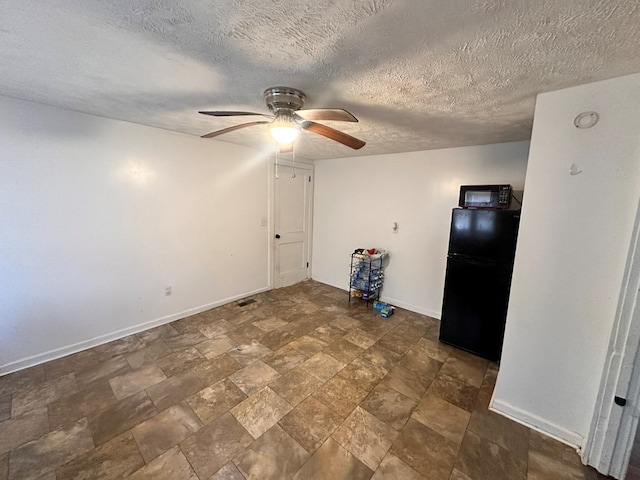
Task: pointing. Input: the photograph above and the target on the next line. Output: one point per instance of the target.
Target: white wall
(572, 248)
(357, 199)
(97, 216)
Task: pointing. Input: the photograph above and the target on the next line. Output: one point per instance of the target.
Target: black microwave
(485, 196)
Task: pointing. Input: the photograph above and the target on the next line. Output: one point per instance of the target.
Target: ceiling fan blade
(333, 134)
(231, 129)
(337, 114)
(225, 113)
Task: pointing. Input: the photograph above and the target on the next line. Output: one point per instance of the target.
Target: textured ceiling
(418, 74)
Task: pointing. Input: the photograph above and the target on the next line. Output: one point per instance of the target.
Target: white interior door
(615, 420)
(292, 225)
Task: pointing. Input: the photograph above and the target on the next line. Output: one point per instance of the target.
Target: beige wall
(358, 199)
(573, 244)
(99, 216)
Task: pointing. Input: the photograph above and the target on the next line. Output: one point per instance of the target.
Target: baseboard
(326, 281)
(534, 422)
(410, 307)
(392, 301)
(109, 337)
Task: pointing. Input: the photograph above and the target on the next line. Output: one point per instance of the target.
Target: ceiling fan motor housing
(283, 98)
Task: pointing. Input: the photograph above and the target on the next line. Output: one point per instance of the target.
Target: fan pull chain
(293, 158)
(277, 152)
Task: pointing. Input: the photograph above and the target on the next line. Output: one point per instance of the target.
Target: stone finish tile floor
(299, 384)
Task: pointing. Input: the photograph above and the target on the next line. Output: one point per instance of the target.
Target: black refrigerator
(482, 246)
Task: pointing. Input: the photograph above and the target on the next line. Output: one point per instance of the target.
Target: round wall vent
(586, 120)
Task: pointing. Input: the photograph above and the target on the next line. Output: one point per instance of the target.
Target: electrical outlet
(167, 291)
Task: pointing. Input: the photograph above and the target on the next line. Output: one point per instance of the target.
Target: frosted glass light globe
(284, 133)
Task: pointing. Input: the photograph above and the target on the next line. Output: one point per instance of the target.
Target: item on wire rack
(366, 274)
(369, 252)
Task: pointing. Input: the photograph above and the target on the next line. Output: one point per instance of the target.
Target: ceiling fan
(287, 119)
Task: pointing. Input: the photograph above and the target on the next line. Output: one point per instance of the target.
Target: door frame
(272, 214)
(613, 428)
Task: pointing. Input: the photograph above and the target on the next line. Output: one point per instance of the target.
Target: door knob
(277, 235)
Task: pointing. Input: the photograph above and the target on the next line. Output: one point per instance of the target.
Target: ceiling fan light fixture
(284, 132)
